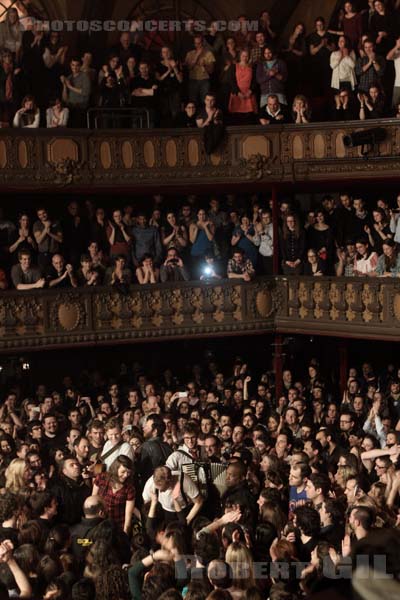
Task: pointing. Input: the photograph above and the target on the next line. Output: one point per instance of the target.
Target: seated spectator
(300, 110)
(273, 113)
(98, 258)
(389, 262)
(370, 67)
(87, 274)
(76, 93)
(187, 117)
(209, 269)
(271, 75)
(372, 104)
(173, 268)
(345, 106)
(240, 267)
(120, 274)
(24, 276)
(343, 63)
(242, 99)
(57, 114)
(395, 221)
(366, 260)
(28, 115)
(314, 265)
(60, 275)
(345, 265)
(146, 272)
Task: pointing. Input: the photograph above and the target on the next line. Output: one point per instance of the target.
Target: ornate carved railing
(53, 318)
(349, 307)
(127, 159)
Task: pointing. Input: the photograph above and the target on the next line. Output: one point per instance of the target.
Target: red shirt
(115, 500)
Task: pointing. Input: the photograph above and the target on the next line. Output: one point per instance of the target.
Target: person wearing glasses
(187, 452)
(314, 267)
(345, 106)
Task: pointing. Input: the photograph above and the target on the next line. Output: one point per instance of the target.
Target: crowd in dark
(343, 70)
(101, 495)
(205, 239)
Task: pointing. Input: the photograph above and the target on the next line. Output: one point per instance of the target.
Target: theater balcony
(346, 307)
(125, 160)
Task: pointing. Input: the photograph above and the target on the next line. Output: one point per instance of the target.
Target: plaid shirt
(240, 268)
(115, 501)
(371, 76)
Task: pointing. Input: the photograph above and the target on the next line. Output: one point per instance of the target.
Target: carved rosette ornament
(257, 166)
(67, 171)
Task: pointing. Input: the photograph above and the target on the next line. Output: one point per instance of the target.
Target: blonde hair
(240, 560)
(15, 480)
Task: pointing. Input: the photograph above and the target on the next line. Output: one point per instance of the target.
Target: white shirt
(125, 449)
(177, 459)
(165, 498)
(265, 241)
(343, 70)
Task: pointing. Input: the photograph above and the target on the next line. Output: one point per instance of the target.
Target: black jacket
(81, 536)
(154, 454)
(70, 497)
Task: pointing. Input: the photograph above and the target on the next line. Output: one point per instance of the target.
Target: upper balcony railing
(346, 307)
(127, 159)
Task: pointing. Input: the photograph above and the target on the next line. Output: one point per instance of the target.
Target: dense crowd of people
(205, 239)
(101, 492)
(346, 69)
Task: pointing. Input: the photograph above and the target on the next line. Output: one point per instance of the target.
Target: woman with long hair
(242, 101)
(295, 54)
(245, 237)
(380, 231)
(343, 64)
(389, 263)
(365, 260)
(117, 491)
(28, 116)
(11, 33)
(173, 234)
(240, 560)
(17, 477)
(320, 237)
(373, 104)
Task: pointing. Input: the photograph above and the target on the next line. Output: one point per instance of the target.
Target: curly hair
(112, 584)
